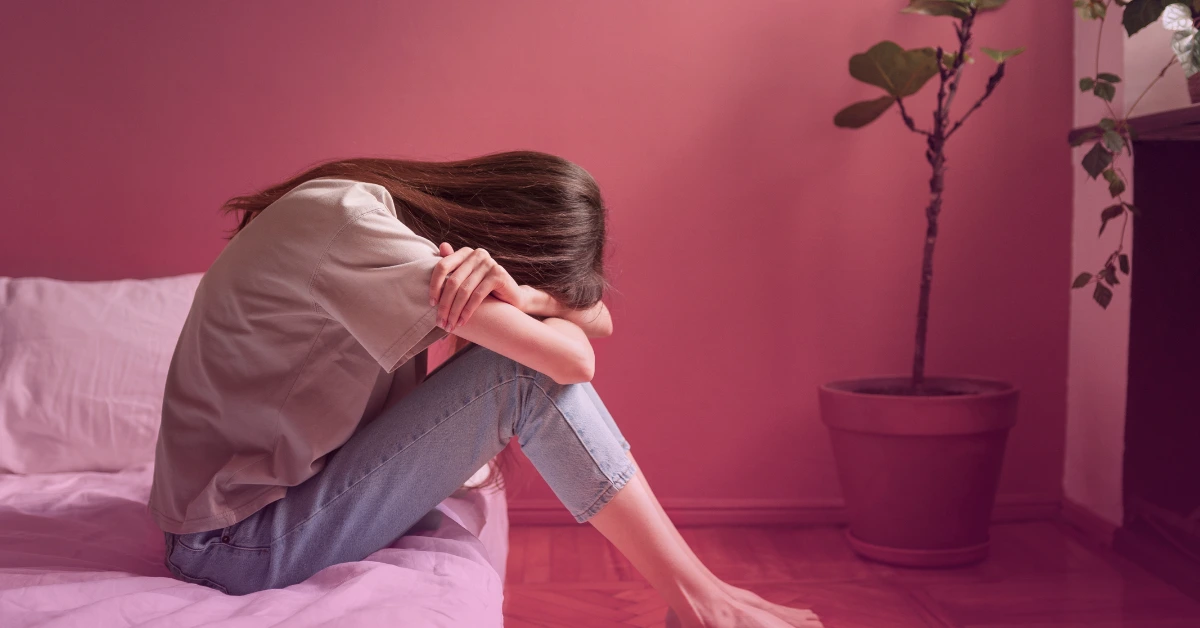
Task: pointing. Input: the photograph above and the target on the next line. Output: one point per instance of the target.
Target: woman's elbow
(581, 371)
(588, 370)
(601, 329)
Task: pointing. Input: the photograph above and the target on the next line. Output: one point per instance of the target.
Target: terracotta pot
(919, 474)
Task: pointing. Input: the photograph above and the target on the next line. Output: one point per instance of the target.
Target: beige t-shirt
(293, 341)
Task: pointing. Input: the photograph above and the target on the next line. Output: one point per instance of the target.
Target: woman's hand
(462, 278)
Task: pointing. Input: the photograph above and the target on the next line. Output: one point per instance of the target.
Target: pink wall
(757, 249)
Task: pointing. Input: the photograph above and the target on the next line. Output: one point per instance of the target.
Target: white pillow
(82, 370)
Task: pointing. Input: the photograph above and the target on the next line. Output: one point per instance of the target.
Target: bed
(81, 371)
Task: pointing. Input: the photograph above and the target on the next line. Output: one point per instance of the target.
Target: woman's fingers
(453, 285)
(462, 279)
(506, 288)
(489, 285)
(483, 265)
(442, 270)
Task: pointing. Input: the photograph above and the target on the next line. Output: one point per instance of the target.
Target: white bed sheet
(80, 549)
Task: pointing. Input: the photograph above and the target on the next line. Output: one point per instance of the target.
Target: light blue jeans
(407, 460)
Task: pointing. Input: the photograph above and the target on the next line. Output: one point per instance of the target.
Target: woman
(280, 451)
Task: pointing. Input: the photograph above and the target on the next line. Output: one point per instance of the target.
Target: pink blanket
(79, 549)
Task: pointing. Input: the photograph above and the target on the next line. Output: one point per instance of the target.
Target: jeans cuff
(609, 492)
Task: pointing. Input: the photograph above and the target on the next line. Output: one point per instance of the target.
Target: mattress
(80, 549)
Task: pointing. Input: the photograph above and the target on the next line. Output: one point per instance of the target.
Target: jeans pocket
(219, 564)
(190, 554)
(197, 541)
(241, 535)
(182, 577)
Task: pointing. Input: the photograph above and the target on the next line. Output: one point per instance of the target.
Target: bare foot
(742, 615)
(795, 617)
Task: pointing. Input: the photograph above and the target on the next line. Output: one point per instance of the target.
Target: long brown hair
(541, 217)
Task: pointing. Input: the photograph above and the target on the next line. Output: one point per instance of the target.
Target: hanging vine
(1113, 134)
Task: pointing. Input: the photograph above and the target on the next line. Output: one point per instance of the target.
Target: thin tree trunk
(936, 156)
(931, 232)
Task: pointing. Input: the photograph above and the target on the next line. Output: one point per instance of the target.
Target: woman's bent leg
(418, 451)
(793, 616)
(605, 415)
(408, 459)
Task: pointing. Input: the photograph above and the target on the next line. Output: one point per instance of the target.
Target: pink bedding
(79, 549)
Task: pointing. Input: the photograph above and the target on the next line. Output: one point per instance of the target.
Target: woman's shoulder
(341, 197)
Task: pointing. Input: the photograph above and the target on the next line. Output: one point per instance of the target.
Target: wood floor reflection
(1040, 575)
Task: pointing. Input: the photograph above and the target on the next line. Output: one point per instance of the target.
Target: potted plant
(1180, 18)
(919, 457)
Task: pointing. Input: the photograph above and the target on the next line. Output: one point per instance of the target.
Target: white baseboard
(1091, 525)
(701, 511)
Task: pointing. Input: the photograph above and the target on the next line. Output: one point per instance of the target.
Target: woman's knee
(607, 417)
(577, 395)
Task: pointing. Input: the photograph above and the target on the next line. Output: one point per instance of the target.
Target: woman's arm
(594, 321)
(554, 346)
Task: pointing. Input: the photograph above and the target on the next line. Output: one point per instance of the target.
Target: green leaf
(1137, 213)
(1110, 274)
(1083, 137)
(1124, 260)
(949, 57)
(900, 72)
(1141, 13)
(1183, 43)
(1082, 280)
(1102, 295)
(1086, 83)
(1108, 214)
(1105, 90)
(1192, 66)
(1116, 185)
(1113, 141)
(1111, 78)
(1097, 160)
(1108, 124)
(1091, 9)
(1178, 17)
(1000, 56)
(989, 5)
(953, 8)
(862, 113)
(1116, 188)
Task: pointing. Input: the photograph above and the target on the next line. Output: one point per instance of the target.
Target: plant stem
(1161, 74)
(991, 87)
(908, 121)
(1099, 42)
(936, 156)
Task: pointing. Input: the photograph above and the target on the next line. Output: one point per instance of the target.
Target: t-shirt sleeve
(374, 280)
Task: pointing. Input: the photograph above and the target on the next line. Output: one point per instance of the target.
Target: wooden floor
(1040, 575)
